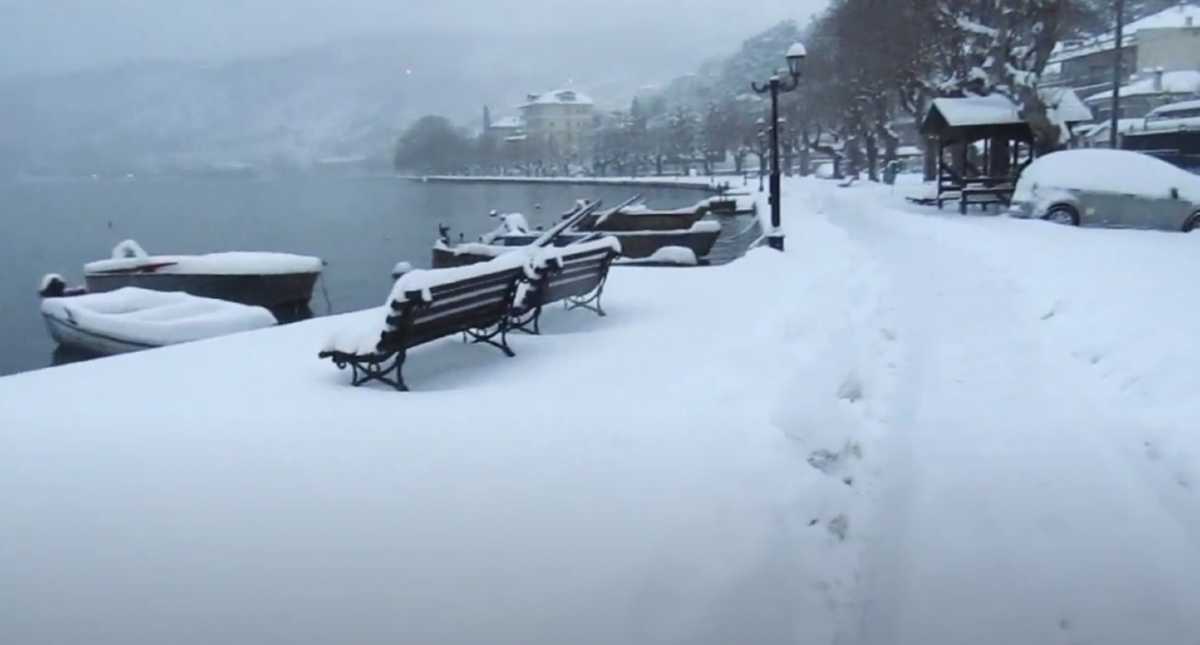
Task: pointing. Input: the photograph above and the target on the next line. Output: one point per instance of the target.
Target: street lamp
(775, 86)
(763, 144)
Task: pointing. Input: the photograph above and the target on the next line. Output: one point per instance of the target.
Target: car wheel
(1192, 223)
(1062, 214)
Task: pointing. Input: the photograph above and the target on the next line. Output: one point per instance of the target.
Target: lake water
(360, 226)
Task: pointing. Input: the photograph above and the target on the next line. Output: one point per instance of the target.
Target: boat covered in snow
(635, 245)
(272, 280)
(131, 319)
(580, 225)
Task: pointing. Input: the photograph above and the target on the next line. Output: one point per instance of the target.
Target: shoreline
(690, 183)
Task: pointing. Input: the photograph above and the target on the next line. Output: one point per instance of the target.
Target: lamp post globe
(795, 58)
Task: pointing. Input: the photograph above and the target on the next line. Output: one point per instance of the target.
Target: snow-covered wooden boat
(273, 280)
(638, 217)
(132, 319)
(637, 245)
(732, 204)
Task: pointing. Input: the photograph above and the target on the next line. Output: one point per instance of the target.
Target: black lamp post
(776, 86)
(762, 150)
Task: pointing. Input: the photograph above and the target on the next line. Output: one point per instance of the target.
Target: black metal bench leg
(531, 324)
(590, 302)
(381, 371)
(489, 335)
(504, 341)
(364, 369)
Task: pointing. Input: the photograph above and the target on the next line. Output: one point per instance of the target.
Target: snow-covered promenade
(912, 427)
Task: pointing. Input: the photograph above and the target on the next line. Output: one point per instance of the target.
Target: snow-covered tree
(683, 136)
(1005, 48)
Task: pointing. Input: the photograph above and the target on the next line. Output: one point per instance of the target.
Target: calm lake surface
(361, 226)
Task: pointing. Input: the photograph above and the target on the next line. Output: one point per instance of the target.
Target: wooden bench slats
(496, 296)
(569, 277)
(460, 323)
(579, 259)
(481, 307)
(453, 289)
(450, 290)
(574, 287)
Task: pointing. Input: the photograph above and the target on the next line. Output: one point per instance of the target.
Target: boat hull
(643, 221)
(271, 291)
(66, 334)
(634, 246)
(446, 258)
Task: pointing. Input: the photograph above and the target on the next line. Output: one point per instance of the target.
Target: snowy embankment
(912, 427)
(637, 478)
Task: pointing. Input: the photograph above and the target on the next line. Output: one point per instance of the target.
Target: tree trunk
(1047, 135)
(804, 153)
(930, 158)
(872, 158)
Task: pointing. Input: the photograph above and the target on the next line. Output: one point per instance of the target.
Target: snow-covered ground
(912, 427)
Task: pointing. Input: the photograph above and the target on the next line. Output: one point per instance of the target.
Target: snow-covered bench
(574, 274)
(426, 305)
(984, 194)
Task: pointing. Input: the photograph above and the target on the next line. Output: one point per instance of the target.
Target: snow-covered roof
(997, 109)
(1178, 16)
(560, 97)
(1180, 82)
(1099, 131)
(508, 122)
(1174, 107)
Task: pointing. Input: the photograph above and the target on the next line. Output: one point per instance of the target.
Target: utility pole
(1113, 136)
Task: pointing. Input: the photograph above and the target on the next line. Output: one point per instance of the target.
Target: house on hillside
(560, 124)
(503, 128)
(1168, 40)
(1148, 91)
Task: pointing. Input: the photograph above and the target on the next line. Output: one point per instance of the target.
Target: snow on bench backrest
(574, 270)
(418, 285)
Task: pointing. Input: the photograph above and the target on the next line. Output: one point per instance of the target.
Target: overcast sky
(39, 36)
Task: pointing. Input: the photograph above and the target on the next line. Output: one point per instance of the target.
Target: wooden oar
(545, 239)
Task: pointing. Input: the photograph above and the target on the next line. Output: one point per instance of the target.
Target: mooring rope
(325, 293)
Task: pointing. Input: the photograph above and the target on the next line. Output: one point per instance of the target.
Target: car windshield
(599, 322)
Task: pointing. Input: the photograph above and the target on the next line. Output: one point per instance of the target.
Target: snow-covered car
(1114, 188)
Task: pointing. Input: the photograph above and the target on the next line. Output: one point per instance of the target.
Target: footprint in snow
(1152, 452)
(824, 460)
(839, 527)
(851, 389)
